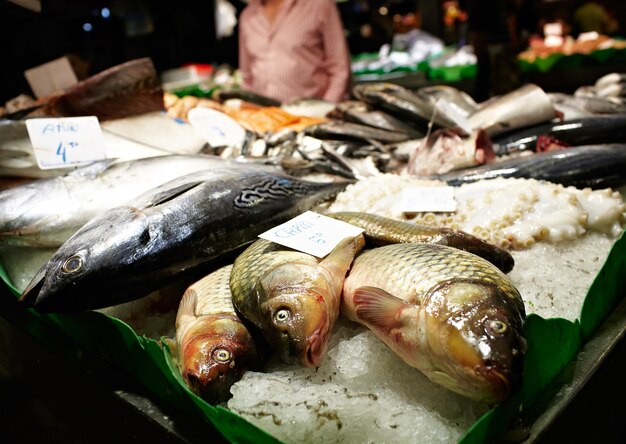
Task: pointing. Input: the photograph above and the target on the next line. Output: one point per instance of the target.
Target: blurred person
(292, 49)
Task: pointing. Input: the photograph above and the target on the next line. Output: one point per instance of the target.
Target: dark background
(183, 31)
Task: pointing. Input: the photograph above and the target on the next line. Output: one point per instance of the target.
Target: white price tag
(311, 233)
(427, 199)
(216, 128)
(66, 141)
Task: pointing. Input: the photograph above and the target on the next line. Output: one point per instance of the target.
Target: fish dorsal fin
(378, 308)
(165, 193)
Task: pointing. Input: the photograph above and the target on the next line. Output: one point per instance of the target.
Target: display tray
(123, 382)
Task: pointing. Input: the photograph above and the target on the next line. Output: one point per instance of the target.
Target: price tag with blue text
(311, 233)
(66, 141)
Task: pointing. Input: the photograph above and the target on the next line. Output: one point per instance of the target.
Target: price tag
(427, 199)
(216, 128)
(67, 141)
(311, 233)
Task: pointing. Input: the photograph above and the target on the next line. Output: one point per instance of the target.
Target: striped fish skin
(448, 313)
(381, 230)
(293, 298)
(213, 346)
(131, 250)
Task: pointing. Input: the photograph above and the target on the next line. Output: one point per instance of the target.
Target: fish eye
(72, 264)
(498, 327)
(282, 315)
(221, 355)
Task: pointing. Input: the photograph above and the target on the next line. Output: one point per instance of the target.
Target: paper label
(427, 199)
(311, 233)
(216, 128)
(67, 141)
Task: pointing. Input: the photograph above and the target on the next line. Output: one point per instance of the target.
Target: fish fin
(170, 344)
(378, 308)
(187, 305)
(166, 193)
(338, 261)
(30, 293)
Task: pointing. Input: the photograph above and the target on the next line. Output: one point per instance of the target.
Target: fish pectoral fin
(378, 308)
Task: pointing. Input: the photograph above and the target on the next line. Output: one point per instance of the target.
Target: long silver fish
(448, 313)
(595, 166)
(293, 298)
(213, 347)
(402, 103)
(525, 106)
(575, 132)
(133, 249)
(47, 212)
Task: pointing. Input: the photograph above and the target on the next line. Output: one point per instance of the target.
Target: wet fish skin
(575, 132)
(402, 103)
(381, 230)
(213, 346)
(522, 107)
(594, 166)
(448, 313)
(336, 129)
(131, 250)
(293, 298)
(45, 213)
(359, 112)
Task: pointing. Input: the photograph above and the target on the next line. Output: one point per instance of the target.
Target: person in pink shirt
(292, 49)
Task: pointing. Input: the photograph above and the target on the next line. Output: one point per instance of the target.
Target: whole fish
(340, 130)
(402, 103)
(522, 107)
(359, 112)
(45, 213)
(595, 166)
(574, 107)
(381, 230)
(133, 249)
(293, 298)
(575, 132)
(213, 347)
(461, 102)
(127, 89)
(448, 313)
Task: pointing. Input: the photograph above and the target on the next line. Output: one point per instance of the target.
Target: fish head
(478, 342)
(217, 358)
(295, 315)
(87, 271)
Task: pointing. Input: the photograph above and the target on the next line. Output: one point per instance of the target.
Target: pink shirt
(302, 54)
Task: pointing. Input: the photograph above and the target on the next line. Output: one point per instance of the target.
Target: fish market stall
(246, 340)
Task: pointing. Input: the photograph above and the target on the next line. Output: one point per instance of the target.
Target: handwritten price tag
(311, 233)
(427, 199)
(67, 141)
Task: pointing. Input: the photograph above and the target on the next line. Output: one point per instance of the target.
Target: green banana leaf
(552, 343)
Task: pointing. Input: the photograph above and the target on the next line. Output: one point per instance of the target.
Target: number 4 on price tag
(67, 141)
(311, 233)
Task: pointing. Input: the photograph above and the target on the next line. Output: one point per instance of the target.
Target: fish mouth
(499, 384)
(30, 295)
(313, 352)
